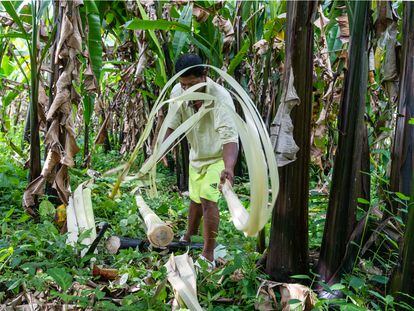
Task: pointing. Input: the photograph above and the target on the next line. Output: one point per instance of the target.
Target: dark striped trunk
(288, 247)
(402, 177)
(341, 214)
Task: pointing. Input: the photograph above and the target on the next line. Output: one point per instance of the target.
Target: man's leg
(195, 213)
(210, 229)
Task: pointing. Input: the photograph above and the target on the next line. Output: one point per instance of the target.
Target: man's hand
(230, 151)
(226, 174)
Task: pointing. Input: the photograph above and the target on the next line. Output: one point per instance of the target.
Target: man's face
(187, 82)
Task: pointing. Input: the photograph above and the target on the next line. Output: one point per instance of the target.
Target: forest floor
(37, 266)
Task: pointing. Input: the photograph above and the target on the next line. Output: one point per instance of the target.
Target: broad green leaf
(239, 57)
(411, 121)
(94, 38)
(356, 282)
(159, 24)
(193, 39)
(180, 37)
(61, 277)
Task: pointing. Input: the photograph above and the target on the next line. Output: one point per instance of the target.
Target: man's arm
(230, 153)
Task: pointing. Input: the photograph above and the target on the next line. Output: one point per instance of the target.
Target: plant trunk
(288, 247)
(402, 150)
(341, 218)
(35, 166)
(54, 75)
(403, 153)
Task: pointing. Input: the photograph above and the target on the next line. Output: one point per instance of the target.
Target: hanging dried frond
(61, 153)
(225, 27)
(343, 27)
(281, 129)
(261, 47)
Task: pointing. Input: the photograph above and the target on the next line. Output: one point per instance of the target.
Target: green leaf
(239, 57)
(160, 53)
(356, 282)
(402, 196)
(6, 253)
(363, 201)
(88, 101)
(159, 24)
(201, 46)
(337, 286)
(43, 5)
(13, 14)
(46, 209)
(15, 35)
(389, 299)
(61, 277)
(411, 121)
(380, 279)
(301, 277)
(376, 294)
(180, 37)
(94, 38)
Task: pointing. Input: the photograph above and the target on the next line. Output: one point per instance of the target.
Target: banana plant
(37, 8)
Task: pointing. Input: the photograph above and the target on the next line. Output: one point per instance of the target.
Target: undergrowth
(34, 257)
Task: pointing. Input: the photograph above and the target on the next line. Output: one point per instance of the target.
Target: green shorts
(205, 184)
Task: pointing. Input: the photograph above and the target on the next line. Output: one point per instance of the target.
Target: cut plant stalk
(80, 218)
(158, 233)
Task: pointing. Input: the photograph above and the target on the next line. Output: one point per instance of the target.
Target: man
(213, 150)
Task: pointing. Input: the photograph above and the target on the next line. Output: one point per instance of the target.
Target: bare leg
(194, 218)
(211, 224)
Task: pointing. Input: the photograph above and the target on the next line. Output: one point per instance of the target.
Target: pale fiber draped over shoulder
(213, 131)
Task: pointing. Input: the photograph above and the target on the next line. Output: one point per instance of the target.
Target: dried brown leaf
(343, 28)
(261, 47)
(200, 14)
(65, 33)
